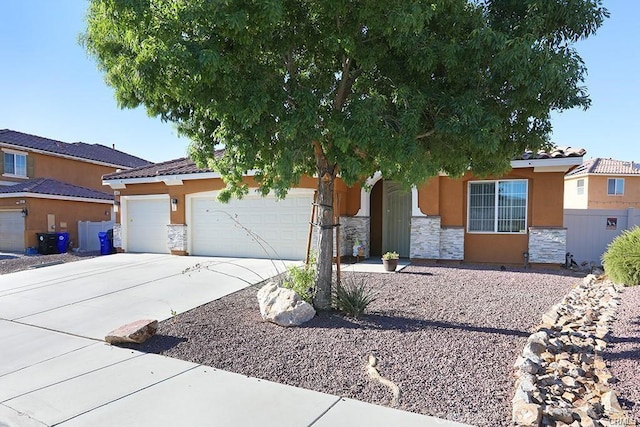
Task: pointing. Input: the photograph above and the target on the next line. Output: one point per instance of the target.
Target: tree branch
(426, 134)
(342, 86)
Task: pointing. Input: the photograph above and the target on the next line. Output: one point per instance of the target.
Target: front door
(396, 219)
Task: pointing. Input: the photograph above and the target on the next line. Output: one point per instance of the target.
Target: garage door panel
(218, 229)
(11, 231)
(147, 221)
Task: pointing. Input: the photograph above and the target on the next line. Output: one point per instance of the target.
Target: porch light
(24, 212)
(174, 205)
(116, 205)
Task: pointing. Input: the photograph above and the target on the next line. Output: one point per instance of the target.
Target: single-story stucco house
(171, 207)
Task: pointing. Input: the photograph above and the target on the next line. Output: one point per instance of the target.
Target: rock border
(561, 377)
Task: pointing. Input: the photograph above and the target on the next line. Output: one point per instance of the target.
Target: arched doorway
(390, 219)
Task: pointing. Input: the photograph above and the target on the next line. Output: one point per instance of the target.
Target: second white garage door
(11, 231)
(147, 221)
(216, 229)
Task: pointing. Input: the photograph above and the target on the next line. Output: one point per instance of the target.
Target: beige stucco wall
(599, 199)
(573, 200)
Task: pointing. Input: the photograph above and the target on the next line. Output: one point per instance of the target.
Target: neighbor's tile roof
(80, 150)
(55, 188)
(602, 166)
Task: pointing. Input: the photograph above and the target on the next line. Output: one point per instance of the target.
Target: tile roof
(555, 153)
(180, 166)
(185, 165)
(95, 152)
(55, 188)
(602, 166)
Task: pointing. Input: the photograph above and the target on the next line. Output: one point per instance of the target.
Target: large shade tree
(333, 88)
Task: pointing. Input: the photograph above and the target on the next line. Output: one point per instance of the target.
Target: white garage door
(11, 231)
(282, 227)
(147, 221)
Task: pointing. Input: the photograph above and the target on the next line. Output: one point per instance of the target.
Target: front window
(580, 187)
(498, 206)
(615, 186)
(15, 164)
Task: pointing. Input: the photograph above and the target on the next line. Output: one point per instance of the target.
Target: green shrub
(352, 298)
(621, 261)
(301, 280)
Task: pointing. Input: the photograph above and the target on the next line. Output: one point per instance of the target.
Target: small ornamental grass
(301, 280)
(621, 261)
(353, 297)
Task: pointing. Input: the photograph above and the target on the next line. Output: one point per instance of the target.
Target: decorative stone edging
(561, 377)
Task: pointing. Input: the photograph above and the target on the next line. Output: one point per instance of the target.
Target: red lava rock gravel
(447, 336)
(623, 355)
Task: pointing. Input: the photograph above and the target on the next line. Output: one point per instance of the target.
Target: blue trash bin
(62, 242)
(105, 243)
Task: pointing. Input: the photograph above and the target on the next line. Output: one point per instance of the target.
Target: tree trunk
(324, 248)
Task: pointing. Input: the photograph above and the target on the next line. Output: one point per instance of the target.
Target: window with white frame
(615, 186)
(497, 206)
(580, 187)
(15, 164)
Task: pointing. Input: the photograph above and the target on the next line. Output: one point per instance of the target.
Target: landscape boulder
(134, 332)
(283, 306)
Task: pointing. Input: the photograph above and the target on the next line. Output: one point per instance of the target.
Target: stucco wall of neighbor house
(67, 170)
(547, 245)
(599, 199)
(67, 214)
(573, 200)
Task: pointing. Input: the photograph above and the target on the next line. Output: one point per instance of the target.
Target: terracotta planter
(390, 264)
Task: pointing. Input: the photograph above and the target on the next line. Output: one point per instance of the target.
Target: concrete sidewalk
(56, 370)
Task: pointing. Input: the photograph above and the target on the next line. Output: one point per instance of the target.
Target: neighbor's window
(580, 187)
(615, 186)
(15, 164)
(498, 206)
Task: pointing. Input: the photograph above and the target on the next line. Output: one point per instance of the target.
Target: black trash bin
(47, 243)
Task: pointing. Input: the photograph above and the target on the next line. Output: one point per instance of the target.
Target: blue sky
(49, 87)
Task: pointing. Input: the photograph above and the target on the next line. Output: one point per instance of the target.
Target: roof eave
(559, 164)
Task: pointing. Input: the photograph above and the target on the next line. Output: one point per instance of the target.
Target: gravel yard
(446, 336)
(10, 263)
(623, 355)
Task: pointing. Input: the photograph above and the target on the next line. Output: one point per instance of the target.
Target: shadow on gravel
(398, 323)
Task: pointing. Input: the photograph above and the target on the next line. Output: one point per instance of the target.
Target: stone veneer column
(177, 237)
(354, 228)
(452, 243)
(425, 237)
(117, 235)
(547, 245)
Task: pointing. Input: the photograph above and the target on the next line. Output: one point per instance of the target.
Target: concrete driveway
(56, 370)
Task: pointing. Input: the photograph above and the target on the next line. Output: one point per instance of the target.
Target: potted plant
(390, 261)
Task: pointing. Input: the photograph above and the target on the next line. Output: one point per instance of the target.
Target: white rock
(283, 306)
(526, 414)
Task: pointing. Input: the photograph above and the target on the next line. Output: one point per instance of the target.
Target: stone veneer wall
(425, 237)
(354, 228)
(117, 235)
(452, 243)
(177, 237)
(547, 245)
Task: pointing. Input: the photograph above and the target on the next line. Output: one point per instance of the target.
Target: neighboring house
(603, 184)
(171, 207)
(48, 186)
(601, 200)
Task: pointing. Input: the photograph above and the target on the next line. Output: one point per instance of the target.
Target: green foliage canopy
(408, 88)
